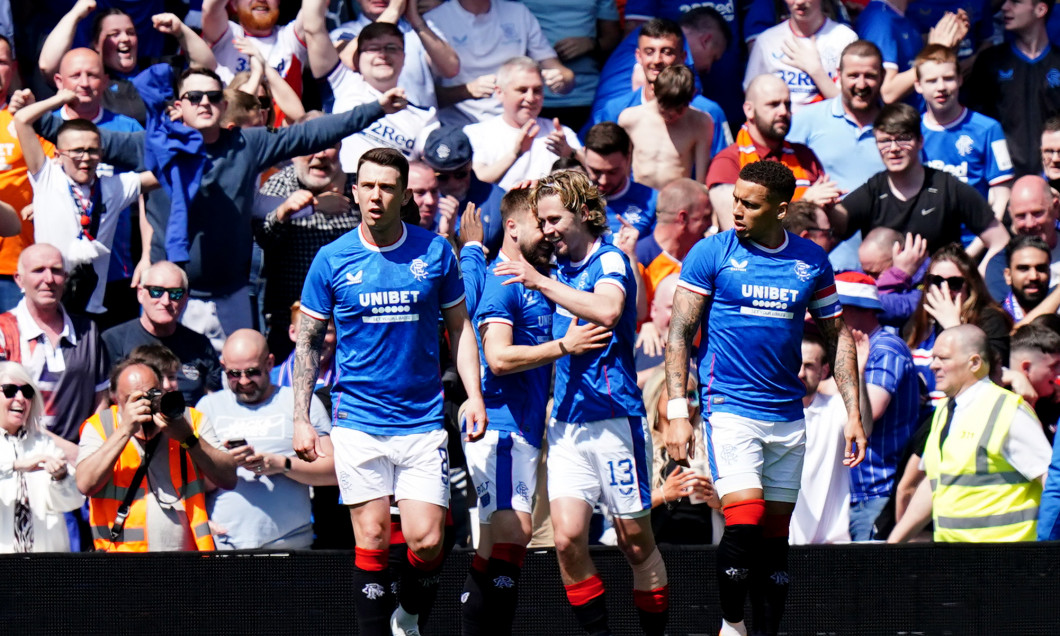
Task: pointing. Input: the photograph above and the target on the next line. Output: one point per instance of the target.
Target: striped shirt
(890, 367)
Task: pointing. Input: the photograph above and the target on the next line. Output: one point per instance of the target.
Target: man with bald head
(163, 295)
(898, 265)
(762, 137)
(968, 499)
(683, 215)
(1035, 210)
(63, 353)
(81, 71)
(269, 508)
(168, 511)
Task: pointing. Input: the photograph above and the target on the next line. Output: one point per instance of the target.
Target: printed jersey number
(625, 467)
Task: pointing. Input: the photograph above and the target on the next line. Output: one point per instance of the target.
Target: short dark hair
(704, 18)
(97, 22)
(861, 48)
(158, 356)
(1022, 241)
(120, 368)
(775, 176)
(811, 337)
(608, 137)
(198, 70)
(76, 125)
(389, 158)
(377, 30)
(1035, 337)
(1052, 124)
(675, 86)
(567, 163)
(515, 202)
(662, 28)
(898, 119)
(801, 216)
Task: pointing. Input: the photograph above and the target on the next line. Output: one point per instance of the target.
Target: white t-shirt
(483, 43)
(282, 50)
(767, 54)
(57, 218)
(405, 130)
(493, 138)
(822, 513)
(416, 77)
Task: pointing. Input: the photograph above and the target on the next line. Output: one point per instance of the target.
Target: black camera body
(169, 404)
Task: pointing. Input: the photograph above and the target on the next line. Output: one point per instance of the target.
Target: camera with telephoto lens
(169, 404)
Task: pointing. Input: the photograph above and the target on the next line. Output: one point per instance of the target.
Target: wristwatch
(286, 465)
(190, 442)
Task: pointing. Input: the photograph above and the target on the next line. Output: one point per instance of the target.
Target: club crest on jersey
(738, 266)
(419, 269)
(964, 145)
(803, 270)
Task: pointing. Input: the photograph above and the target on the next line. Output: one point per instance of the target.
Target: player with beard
(599, 445)
(517, 355)
(283, 47)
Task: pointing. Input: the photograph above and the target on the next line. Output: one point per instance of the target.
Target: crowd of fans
(167, 179)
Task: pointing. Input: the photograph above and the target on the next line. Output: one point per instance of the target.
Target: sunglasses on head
(175, 293)
(955, 282)
(195, 97)
(235, 374)
(11, 389)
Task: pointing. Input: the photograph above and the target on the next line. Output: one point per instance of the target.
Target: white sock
(732, 629)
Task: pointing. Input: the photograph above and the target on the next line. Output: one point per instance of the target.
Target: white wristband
(677, 408)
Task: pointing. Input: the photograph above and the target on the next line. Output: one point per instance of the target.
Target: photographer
(165, 510)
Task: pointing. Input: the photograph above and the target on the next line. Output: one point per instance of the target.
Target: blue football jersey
(601, 384)
(971, 148)
(757, 301)
(516, 402)
(387, 303)
(635, 204)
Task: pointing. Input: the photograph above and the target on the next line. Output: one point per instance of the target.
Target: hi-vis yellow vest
(978, 496)
(187, 481)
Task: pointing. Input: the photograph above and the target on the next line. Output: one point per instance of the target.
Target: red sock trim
(511, 552)
(584, 591)
(655, 601)
(479, 564)
(425, 566)
(775, 526)
(748, 512)
(370, 560)
(396, 536)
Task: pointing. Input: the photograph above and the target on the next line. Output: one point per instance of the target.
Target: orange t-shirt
(15, 190)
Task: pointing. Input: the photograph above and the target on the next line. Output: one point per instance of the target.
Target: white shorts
(503, 467)
(406, 466)
(606, 460)
(747, 453)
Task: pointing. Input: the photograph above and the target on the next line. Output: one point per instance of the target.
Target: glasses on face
(955, 282)
(455, 175)
(389, 49)
(1050, 152)
(175, 293)
(195, 97)
(235, 374)
(83, 153)
(11, 389)
(827, 231)
(904, 141)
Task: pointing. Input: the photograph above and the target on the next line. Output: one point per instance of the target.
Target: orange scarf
(746, 147)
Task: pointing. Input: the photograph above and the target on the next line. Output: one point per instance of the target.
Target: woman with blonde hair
(36, 484)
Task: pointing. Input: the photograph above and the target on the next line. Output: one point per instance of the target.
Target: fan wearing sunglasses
(163, 295)
(39, 477)
(955, 294)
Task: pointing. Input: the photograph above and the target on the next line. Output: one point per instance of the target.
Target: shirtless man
(670, 140)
